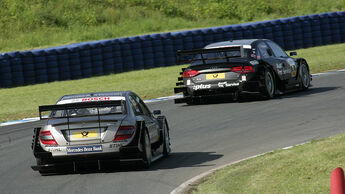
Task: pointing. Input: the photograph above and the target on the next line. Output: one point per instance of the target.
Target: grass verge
(21, 102)
(302, 169)
(42, 23)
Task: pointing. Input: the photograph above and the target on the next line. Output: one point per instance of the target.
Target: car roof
(232, 42)
(95, 94)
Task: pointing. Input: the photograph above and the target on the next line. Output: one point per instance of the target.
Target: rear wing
(95, 104)
(188, 56)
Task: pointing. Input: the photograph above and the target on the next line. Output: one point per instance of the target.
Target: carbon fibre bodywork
(233, 67)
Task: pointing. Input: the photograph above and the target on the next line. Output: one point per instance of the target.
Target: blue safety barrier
(95, 58)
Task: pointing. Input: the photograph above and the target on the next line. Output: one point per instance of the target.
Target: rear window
(218, 57)
(90, 111)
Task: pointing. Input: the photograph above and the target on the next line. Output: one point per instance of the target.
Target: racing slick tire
(304, 76)
(147, 154)
(166, 142)
(269, 88)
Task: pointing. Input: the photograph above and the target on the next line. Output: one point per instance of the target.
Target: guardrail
(94, 58)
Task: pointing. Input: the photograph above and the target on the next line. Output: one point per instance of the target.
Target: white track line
(27, 120)
(146, 101)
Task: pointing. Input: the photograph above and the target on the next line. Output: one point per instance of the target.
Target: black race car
(233, 67)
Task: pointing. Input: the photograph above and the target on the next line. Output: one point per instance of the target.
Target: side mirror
(293, 53)
(157, 112)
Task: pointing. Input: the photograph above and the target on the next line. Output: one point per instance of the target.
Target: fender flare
(277, 79)
(299, 61)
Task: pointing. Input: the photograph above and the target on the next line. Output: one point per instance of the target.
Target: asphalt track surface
(203, 137)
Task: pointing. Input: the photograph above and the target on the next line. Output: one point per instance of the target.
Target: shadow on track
(253, 97)
(185, 159)
(173, 161)
(307, 92)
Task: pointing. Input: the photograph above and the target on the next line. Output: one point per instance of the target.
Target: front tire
(269, 88)
(166, 143)
(304, 76)
(147, 154)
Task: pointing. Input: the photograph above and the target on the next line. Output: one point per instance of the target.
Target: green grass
(303, 169)
(27, 24)
(21, 102)
(324, 58)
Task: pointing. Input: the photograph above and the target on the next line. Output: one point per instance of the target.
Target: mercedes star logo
(84, 133)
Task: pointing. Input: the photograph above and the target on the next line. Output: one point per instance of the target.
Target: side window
(135, 106)
(263, 49)
(278, 52)
(144, 108)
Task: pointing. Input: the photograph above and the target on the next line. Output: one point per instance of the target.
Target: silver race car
(99, 128)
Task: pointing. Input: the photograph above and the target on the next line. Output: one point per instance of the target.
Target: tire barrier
(96, 58)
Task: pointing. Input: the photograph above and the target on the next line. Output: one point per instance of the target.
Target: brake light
(190, 74)
(47, 138)
(124, 132)
(245, 69)
(237, 69)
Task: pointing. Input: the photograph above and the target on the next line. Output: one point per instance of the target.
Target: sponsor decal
(84, 149)
(115, 145)
(226, 84)
(201, 86)
(293, 67)
(90, 99)
(85, 134)
(254, 62)
(215, 76)
(54, 149)
(188, 82)
(95, 99)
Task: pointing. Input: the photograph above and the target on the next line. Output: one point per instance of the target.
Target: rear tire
(304, 76)
(147, 154)
(270, 86)
(166, 142)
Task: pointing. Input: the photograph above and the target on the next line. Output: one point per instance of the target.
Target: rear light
(245, 69)
(47, 138)
(190, 74)
(124, 132)
(248, 69)
(237, 69)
